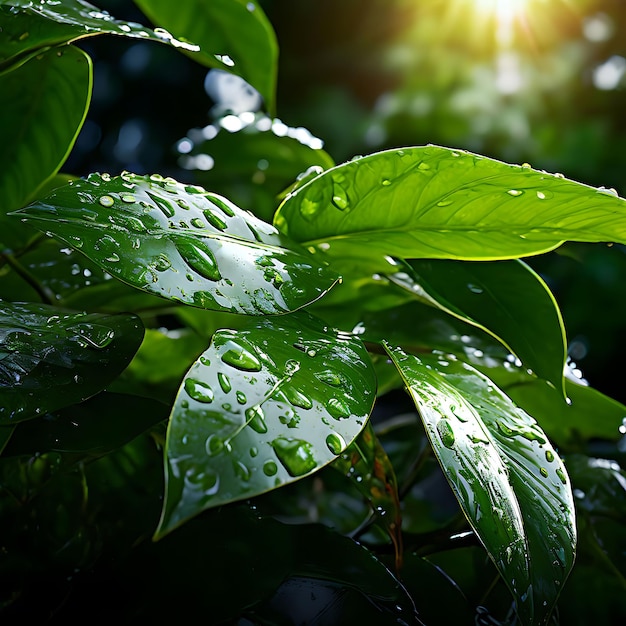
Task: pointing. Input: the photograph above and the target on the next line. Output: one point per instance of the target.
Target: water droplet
(330, 377)
(241, 397)
(208, 482)
(526, 166)
(335, 443)
(242, 471)
(213, 445)
(94, 335)
(214, 220)
(561, 474)
(443, 203)
(240, 357)
(198, 390)
(295, 455)
(446, 434)
(224, 382)
(270, 468)
(544, 472)
(297, 398)
(254, 451)
(385, 182)
(112, 258)
(340, 197)
(515, 192)
(161, 263)
(199, 258)
(532, 436)
(475, 288)
(338, 409)
(196, 222)
(106, 201)
(128, 198)
(255, 418)
(549, 456)
(166, 207)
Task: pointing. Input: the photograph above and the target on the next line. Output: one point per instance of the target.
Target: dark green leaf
(505, 299)
(232, 33)
(51, 357)
(29, 28)
(5, 436)
(433, 202)
(263, 407)
(40, 122)
(507, 477)
(182, 243)
(97, 426)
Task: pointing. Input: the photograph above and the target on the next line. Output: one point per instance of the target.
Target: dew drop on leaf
(335, 443)
(297, 398)
(543, 471)
(242, 471)
(213, 445)
(340, 197)
(446, 434)
(295, 455)
(241, 397)
(161, 263)
(106, 201)
(198, 390)
(561, 474)
(255, 418)
(549, 456)
(337, 408)
(207, 482)
(270, 468)
(241, 358)
(214, 220)
(199, 258)
(224, 382)
(196, 222)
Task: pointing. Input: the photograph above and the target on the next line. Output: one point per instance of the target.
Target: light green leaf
(49, 98)
(51, 357)
(433, 202)
(261, 408)
(507, 477)
(182, 243)
(506, 299)
(235, 33)
(30, 28)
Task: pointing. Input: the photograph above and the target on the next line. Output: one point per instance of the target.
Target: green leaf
(231, 33)
(51, 357)
(261, 408)
(182, 243)
(507, 477)
(29, 28)
(40, 121)
(433, 202)
(506, 299)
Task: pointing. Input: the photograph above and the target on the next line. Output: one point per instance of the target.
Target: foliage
(207, 409)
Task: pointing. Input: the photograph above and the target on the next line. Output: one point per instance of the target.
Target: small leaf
(508, 479)
(40, 122)
(261, 408)
(182, 243)
(433, 202)
(51, 358)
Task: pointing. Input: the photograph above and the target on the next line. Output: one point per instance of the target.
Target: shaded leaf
(39, 124)
(434, 202)
(263, 407)
(231, 33)
(51, 357)
(29, 28)
(182, 243)
(505, 474)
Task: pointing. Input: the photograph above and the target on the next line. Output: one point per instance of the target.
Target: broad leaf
(29, 28)
(235, 33)
(505, 299)
(40, 121)
(263, 407)
(433, 202)
(182, 243)
(507, 477)
(51, 358)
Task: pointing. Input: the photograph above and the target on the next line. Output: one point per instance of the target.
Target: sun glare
(505, 12)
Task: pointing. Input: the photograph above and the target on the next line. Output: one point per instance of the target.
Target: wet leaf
(261, 408)
(434, 202)
(182, 243)
(507, 477)
(51, 358)
(29, 28)
(38, 127)
(232, 34)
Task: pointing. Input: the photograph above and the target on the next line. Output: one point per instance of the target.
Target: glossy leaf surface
(507, 477)
(182, 243)
(29, 28)
(260, 408)
(434, 202)
(51, 358)
(506, 299)
(231, 33)
(38, 127)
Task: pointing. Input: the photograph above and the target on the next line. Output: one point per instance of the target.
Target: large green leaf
(29, 28)
(507, 477)
(433, 202)
(40, 121)
(263, 407)
(182, 243)
(51, 357)
(506, 299)
(236, 30)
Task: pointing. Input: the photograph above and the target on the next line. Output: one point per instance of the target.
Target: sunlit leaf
(182, 243)
(433, 202)
(231, 33)
(38, 126)
(29, 28)
(263, 407)
(51, 357)
(507, 477)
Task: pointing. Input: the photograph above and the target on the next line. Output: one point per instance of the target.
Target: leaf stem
(45, 294)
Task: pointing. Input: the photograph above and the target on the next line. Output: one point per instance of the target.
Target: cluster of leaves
(165, 352)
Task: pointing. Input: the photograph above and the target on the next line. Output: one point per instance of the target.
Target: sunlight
(505, 12)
